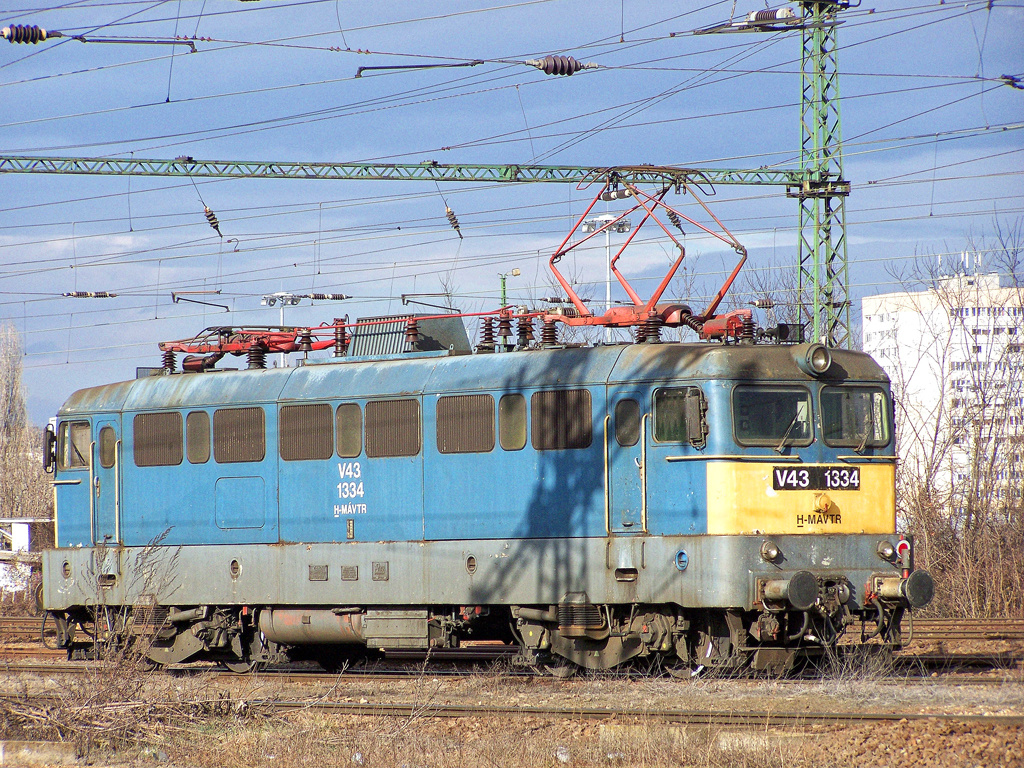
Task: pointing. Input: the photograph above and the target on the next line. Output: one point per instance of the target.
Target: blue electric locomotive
(718, 504)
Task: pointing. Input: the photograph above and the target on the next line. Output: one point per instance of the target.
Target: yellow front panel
(741, 499)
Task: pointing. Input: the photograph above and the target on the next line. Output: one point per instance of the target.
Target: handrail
(734, 457)
(92, 493)
(607, 480)
(643, 472)
(117, 491)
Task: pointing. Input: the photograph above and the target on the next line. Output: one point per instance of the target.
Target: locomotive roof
(415, 374)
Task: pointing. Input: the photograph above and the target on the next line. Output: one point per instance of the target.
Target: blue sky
(931, 134)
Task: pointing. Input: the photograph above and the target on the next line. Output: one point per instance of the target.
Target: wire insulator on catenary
(89, 295)
(453, 220)
(560, 65)
(20, 33)
(329, 296)
(212, 218)
(676, 221)
(779, 14)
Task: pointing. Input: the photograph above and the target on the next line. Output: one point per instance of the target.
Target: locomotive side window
(679, 416)
(392, 428)
(627, 423)
(775, 416)
(239, 434)
(158, 439)
(197, 437)
(306, 432)
(561, 419)
(465, 424)
(350, 430)
(73, 445)
(856, 417)
(512, 422)
(108, 447)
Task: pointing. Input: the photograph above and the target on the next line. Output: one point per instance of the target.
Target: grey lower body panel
(720, 571)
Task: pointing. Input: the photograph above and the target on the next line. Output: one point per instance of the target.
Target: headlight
(885, 550)
(812, 359)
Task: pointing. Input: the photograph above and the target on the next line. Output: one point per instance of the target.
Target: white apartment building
(955, 354)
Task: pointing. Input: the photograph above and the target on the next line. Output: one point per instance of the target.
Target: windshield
(775, 416)
(855, 417)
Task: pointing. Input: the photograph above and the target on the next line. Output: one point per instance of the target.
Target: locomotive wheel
(562, 670)
(242, 667)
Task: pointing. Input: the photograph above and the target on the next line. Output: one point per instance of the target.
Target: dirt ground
(237, 732)
(230, 728)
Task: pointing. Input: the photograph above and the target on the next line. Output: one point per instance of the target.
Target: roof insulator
(19, 33)
(452, 220)
(676, 221)
(560, 65)
(212, 218)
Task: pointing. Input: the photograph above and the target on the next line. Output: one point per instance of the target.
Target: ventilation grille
(465, 424)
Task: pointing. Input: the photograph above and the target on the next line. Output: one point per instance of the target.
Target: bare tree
(953, 345)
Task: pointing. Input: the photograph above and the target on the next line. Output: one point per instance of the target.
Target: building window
(157, 439)
(349, 423)
(465, 424)
(306, 432)
(392, 428)
(561, 419)
(197, 437)
(239, 435)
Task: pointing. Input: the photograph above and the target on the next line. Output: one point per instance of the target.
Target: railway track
(966, 629)
(741, 718)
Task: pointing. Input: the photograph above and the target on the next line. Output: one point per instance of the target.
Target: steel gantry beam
(426, 171)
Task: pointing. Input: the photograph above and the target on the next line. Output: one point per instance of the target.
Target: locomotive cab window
(772, 416)
(73, 445)
(561, 419)
(680, 416)
(465, 424)
(306, 432)
(512, 422)
(157, 439)
(239, 435)
(392, 428)
(855, 417)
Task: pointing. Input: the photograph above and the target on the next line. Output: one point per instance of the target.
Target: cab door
(106, 480)
(625, 454)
